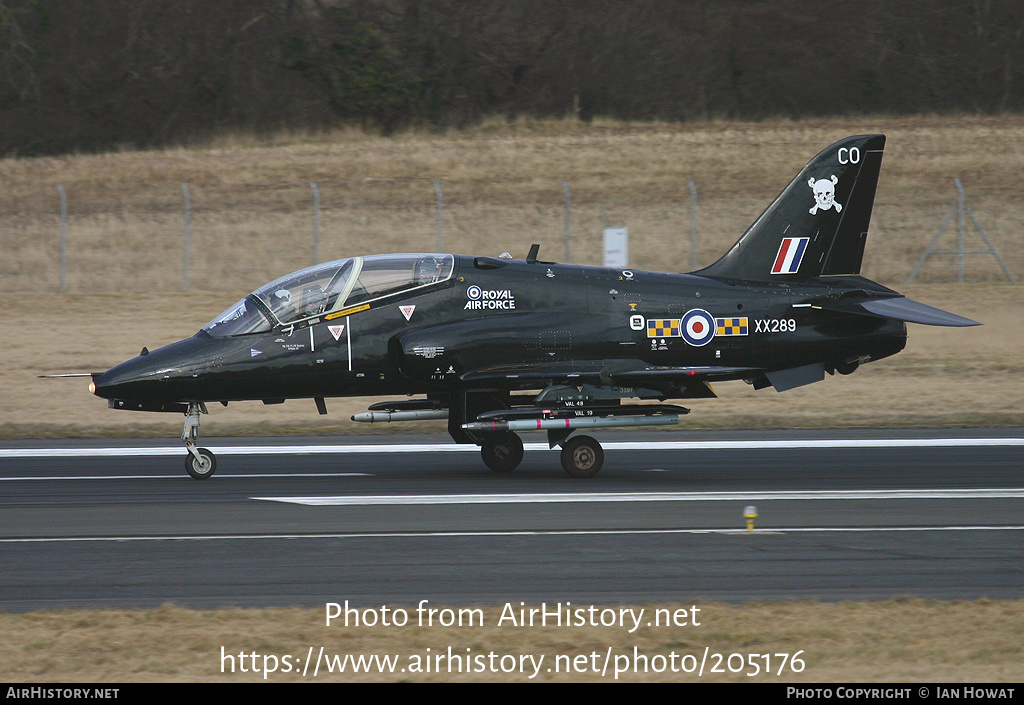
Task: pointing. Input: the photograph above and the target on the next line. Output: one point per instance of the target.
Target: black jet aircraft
(500, 345)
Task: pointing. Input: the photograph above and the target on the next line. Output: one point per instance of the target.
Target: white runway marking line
(588, 497)
(163, 451)
(179, 476)
(523, 533)
(158, 451)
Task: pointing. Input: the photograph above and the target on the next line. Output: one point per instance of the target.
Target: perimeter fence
(234, 238)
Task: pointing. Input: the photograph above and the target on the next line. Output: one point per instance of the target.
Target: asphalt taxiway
(866, 514)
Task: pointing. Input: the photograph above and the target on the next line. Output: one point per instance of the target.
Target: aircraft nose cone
(163, 375)
(120, 381)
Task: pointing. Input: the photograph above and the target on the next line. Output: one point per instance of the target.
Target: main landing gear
(504, 453)
(200, 463)
(492, 420)
(582, 456)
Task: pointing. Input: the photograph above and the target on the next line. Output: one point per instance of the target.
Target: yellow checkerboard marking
(731, 326)
(663, 328)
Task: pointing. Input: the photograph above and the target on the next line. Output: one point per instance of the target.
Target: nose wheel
(200, 463)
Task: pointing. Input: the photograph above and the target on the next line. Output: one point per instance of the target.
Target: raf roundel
(698, 327)
(473, 292)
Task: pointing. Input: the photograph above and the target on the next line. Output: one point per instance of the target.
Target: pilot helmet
(283, 297)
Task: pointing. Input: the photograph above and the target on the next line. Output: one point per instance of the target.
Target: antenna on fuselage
(534, 251)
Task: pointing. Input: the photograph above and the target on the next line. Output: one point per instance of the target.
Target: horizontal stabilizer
(904, 309)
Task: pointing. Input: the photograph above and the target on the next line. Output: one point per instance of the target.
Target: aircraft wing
(705, 374)
(619, 373)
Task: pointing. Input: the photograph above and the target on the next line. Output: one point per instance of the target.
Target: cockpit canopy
(329, 287)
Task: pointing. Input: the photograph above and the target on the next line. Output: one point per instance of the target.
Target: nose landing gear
(200, 463)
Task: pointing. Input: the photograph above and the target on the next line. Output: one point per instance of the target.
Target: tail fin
(817, 225)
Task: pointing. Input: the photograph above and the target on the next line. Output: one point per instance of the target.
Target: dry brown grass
(897, 641)
(502, 187)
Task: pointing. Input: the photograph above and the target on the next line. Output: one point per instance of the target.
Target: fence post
(63, 239)
(693, 226)
(959, 230)
(188, 236)
(440, 216)
(316, 222)
(568, 206)
(962, 211)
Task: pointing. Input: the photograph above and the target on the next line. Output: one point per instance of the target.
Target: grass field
(900, 640)
(252, 221)
(252, 204)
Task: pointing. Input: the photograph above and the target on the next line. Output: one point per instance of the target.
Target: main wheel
(582, 457)
(201, 469)
(503, 454)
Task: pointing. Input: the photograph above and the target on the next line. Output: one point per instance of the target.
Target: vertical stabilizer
(818, 225)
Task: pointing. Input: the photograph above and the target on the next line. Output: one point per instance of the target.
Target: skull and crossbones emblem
(824, 194)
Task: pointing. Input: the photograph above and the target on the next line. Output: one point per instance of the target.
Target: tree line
(97, 74)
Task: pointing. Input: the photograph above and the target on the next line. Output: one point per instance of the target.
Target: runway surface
(396, 519)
